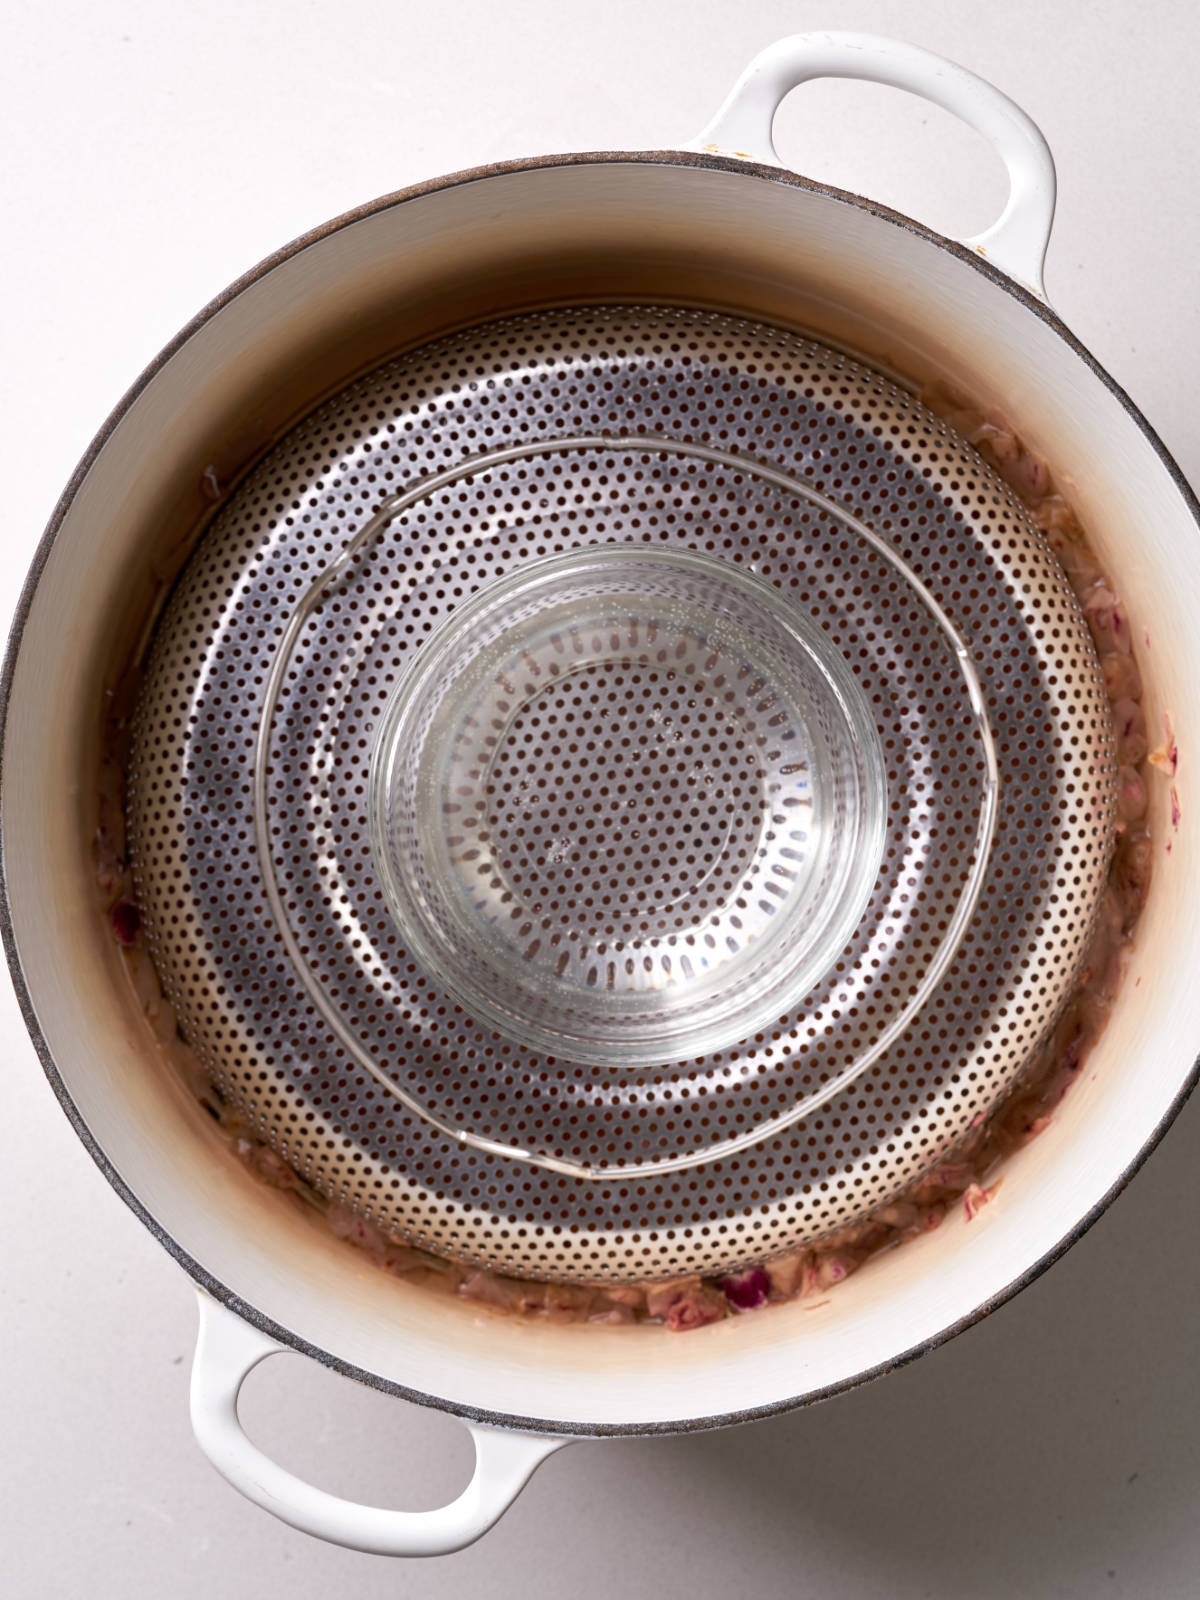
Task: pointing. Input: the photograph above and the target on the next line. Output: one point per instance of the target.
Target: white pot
(721, 222)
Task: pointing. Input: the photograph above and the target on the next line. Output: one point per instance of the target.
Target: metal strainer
(562, 791)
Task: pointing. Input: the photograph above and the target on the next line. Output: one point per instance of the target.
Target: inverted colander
(619, 791)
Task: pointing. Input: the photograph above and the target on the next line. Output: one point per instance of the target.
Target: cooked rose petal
(155, 1006)
(126, 921)
(347, 1224)
(1131, 866)
(786, 1273)
(660, 1297)
(626, 1295)
(1106, 618)
(695, 1309)
(569, 1302)
(267, 1165)
(1166, 756)
(508, 1294)
(1131, 795)
(976, 1197)
(1129, 725)
(995, 440)
(1079, 564)
(1122, 680)
(746, 1291)
(1054, 516)
(900, 1214)
(832, 1269)
(613, 1314)
(1025, 473)
(401, 1260)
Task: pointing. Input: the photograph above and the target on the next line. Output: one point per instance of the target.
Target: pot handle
(228, 1349)
(1016, 243)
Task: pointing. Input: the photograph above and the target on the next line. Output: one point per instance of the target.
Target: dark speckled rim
(193, 1268)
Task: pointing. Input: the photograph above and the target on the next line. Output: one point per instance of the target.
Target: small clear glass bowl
(627, 805)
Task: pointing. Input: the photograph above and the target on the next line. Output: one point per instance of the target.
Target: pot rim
(198, 1273)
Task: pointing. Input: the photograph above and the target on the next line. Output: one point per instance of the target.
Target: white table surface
(152, 151)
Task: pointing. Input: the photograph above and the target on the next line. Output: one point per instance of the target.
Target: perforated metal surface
(695, 376)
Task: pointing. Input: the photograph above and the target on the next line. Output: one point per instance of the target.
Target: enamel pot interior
(675, 228)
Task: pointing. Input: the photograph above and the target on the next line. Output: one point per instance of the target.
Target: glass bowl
(627, 804)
